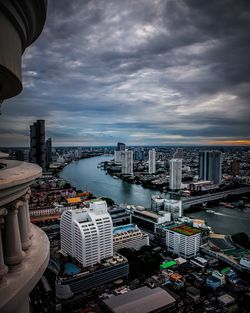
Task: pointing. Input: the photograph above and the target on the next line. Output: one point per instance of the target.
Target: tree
(109, 201)
(241, 239)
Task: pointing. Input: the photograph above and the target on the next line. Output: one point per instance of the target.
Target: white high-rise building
(117, 156)
(151, 162)
(174, 207)
(175, 167)
(127, 161)
(87, 234)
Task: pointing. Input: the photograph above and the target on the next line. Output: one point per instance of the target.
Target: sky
(144, 72)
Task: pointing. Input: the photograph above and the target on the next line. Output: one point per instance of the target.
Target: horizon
(147, 73)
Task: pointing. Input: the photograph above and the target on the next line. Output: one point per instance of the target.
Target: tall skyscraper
(37, 144)
(151, 161)
(48, 152)
(210, 166)
(175, 166)
(87, 234)
(127, 161)
(179, 154)
(119, 148)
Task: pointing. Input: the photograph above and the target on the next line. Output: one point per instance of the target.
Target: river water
(85, 175)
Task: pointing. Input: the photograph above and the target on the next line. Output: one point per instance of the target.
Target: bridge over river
(187, 202)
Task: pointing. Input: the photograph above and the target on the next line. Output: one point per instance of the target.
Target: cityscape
(147, 211)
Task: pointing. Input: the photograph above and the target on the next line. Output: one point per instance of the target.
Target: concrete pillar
(23, 225)
(27, 213)
(13, 253)
(3, 267)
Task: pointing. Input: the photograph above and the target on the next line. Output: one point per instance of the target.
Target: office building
(127, 161)
(118, 152)
(37, 144)
(48, 152)
(182, 240)
(24, 248)
(120, 146)
(152, 161)
(157, 203)
(202, 185)
(148, 220)
(179, 154)
(175, 174)
(19, 155)
(118, 156)
(87, 234)
(174, 207)
(210, 166)
(120, 215)
(235, 167)
(129, 236)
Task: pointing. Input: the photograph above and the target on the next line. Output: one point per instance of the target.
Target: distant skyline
(141, 72)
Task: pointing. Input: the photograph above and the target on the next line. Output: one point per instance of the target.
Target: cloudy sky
(172, 72)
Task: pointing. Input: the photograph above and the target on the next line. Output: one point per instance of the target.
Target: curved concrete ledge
(18, 284)
(27, 16)
(15, 178)
(21, 22)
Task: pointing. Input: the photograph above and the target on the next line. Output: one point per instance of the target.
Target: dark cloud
(139, 71)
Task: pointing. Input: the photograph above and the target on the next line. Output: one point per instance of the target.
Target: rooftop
(167, 264)
(186, 230)
(72, 268)
(141, 300)
(124, 228)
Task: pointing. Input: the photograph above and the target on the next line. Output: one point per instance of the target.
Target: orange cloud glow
(240, 142)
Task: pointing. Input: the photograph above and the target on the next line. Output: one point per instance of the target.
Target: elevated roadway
(187, 202)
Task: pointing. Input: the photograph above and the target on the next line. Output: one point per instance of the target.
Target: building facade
(127, 162)
(129, 236)
(175, 174)
(183, 240)
(152, 161)
(110, 270)
(148, 220)
(210, 166)
(235, 167)
(48, 152)
(37, 144)
(174, 207)
(87, 234)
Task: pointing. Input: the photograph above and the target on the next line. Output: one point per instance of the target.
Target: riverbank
(85, 175)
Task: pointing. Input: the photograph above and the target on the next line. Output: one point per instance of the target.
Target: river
(85, 175)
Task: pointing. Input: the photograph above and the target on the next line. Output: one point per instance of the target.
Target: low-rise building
(182, 239)
(193, 293)
(143, 299)
(148, 220)
(129, 236)
(73, 279)
(120, 215)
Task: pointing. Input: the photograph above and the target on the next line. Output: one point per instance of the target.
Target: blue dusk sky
(144, 72)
